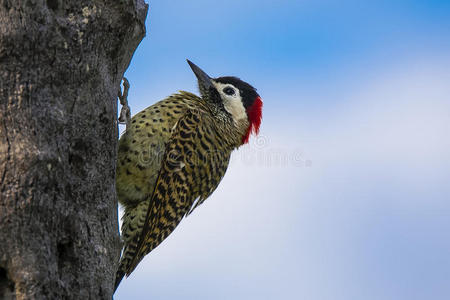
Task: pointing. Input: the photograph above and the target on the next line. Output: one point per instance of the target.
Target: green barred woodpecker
(173, 155)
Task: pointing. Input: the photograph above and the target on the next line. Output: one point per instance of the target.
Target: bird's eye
(229, 91)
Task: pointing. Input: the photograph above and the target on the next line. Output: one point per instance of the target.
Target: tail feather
(133, 221)
(119, 276)
(125, 267)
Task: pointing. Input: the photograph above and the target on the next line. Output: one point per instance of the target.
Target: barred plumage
(173, 157)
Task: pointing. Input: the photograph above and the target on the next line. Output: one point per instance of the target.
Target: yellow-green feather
(175, 152)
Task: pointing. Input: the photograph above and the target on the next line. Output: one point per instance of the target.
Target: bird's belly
(141, 150)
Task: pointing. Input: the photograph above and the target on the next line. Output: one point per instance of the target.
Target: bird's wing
(191, 169)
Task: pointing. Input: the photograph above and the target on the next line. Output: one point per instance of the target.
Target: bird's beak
(203, 79)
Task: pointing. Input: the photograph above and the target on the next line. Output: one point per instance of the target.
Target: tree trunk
(61, 63)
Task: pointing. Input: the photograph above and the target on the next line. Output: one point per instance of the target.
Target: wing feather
(191, 169)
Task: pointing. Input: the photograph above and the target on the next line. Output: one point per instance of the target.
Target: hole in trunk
(7, 287)
(64, 249)
(52, 4)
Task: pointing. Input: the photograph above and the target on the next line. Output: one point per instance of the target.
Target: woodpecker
(173, 156)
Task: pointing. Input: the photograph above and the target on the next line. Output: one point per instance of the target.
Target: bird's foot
(125, 113)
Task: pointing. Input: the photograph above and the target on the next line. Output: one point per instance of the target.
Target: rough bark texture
(61, 63)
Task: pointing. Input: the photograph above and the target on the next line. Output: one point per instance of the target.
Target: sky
(345, 192)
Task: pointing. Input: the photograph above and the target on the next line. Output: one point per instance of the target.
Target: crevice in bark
(53, 4)
(7, 286)
(64, 256)
(8, 151)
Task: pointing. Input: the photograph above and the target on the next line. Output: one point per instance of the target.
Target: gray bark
(61, 63)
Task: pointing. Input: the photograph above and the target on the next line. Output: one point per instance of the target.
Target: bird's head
(238, 99)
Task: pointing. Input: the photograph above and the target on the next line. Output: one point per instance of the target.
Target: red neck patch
(254, 113)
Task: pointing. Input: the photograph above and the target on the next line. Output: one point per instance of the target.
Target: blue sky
(345, 193)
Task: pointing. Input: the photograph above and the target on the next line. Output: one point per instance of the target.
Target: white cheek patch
(235, 108)
(232, 103)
